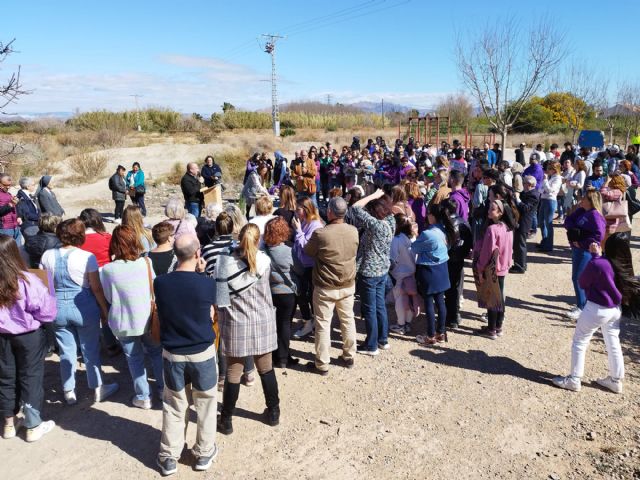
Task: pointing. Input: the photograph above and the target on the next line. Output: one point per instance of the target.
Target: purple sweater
(536, 172)
(591, 223)
(461, 197)
(34, 307)
(597, 281)
(301, 238)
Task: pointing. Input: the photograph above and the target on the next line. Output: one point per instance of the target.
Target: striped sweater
(126, 288)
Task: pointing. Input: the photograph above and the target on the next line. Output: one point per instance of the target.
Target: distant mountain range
(375, 107)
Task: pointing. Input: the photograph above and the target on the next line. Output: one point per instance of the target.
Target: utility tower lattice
(270, 48)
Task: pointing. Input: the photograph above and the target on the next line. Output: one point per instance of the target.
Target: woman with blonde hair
(133, 217)
(306, 222)
(613, 193)
(400, 205)
(239, 220)
(585, 226)
(247, 322)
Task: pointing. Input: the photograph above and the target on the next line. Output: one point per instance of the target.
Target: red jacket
(98, 244)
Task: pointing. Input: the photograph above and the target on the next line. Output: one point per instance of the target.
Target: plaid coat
(248, 325)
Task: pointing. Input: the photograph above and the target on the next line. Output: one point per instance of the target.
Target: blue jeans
(579, 260)
(13, 233)
(432, 327)
(134, 349)
(546, 214)
(374, 311)
(193, 208)
(88, 337)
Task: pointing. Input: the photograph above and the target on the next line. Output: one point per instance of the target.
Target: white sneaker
(574, 314)
(306, 329)
(384, 346)
(35, 434)
(104, 391)
(117, 220)
(568, 383)
(70, 397)
(611, 384)
(143, 404)
(10, 431)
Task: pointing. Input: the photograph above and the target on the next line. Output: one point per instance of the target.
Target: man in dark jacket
(568, 154)
(190, 185)
(527, 202)
(520, 154)
(118, 187)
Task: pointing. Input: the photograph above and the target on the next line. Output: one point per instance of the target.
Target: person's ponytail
(248, 249)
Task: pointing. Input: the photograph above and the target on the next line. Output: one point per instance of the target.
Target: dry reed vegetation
(87, 167)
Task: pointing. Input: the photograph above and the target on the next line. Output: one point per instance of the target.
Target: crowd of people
(209, 294)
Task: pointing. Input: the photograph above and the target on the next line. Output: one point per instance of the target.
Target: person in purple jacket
(535, 170)
(459, 194)
(609, 284)
(584, 226)
(25, 305)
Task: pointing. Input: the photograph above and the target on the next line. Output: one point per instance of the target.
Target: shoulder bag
(154, 321)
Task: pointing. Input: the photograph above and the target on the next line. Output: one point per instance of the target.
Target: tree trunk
(503, 137)
(575, 134)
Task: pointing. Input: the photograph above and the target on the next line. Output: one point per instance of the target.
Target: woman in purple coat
(25, 306)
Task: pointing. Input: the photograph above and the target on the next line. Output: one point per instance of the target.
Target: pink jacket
(496, 236)
(10, 220)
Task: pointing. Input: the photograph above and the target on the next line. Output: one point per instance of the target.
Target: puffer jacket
(36, 243)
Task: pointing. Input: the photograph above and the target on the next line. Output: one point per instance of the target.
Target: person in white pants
(609, 283)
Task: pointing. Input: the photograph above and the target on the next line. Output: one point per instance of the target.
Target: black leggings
(285, 308)
(496, 318)
(305, 295)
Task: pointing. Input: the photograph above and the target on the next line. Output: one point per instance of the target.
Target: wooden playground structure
(432, 130)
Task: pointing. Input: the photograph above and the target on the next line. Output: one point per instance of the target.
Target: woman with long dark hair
(432, 272)
(136, 186)
(25, 306)
(610, 287)
(247, 322)
(492, 259)
(96, 238)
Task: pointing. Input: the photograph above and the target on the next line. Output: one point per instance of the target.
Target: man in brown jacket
(304, 173)
(334, 249)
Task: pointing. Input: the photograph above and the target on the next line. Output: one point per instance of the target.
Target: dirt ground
(471, 408)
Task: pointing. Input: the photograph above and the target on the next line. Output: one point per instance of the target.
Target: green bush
(287, 132)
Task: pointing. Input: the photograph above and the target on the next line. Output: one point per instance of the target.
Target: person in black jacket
(190, 185)
(211, 172)
(41, 238)
(118, 187)
(27, 209)
(527, 203)
(520, 154)
(457, 255)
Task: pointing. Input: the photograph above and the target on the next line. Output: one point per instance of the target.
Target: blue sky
(194, 55)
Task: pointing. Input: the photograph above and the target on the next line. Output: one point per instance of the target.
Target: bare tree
(628, 110)
(578, 93)
(503, 67)
(10, 90)
(457, 107)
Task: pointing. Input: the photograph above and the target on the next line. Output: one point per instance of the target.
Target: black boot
(229, 399)
(270, 389)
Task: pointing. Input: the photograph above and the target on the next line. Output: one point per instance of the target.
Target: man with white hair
(527, 202)
(185, 301)
(334, 250)
(190, 185)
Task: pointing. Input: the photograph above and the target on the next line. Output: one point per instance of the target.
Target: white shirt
(551, 187)
(80, 264)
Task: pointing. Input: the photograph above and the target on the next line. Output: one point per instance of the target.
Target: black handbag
(141, 189)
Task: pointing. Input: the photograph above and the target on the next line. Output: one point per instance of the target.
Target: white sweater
(403, 260)
(551, 187)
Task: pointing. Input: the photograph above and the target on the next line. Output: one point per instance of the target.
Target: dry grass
(88, 167)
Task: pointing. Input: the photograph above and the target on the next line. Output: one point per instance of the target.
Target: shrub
(233, 164)
(88, 167)
(287, 132)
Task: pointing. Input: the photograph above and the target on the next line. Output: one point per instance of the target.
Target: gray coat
(49, 203)
(118, 188)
